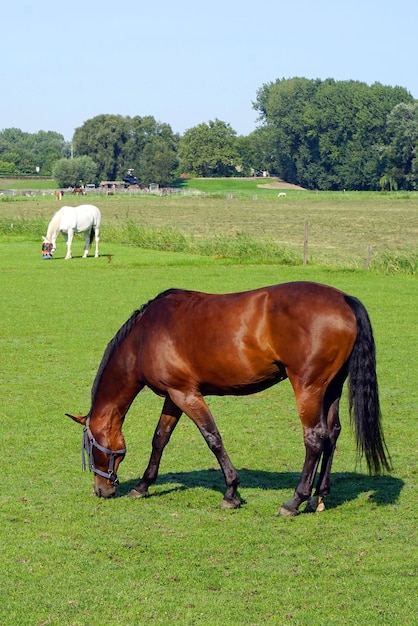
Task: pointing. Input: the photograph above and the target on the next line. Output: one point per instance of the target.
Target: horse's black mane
(123, 332)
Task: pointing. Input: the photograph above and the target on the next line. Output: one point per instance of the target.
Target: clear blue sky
(186, 62)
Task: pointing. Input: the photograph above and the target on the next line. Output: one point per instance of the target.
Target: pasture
(71, 558)
(343, 229)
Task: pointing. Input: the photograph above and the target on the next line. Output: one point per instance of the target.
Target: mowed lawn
(71, 558)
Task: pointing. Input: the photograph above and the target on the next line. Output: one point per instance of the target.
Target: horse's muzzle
(102, 489)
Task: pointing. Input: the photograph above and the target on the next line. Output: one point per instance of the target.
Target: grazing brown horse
(185, 344)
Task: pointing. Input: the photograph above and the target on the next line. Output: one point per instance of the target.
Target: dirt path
(280, 184)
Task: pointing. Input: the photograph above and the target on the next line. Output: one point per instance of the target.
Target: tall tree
(116, 143)
(158, 162)
(257, 151)
(209, 150)
(103, 138)
(400, 154)
(70, 172)
(29, 151)
(326, 132)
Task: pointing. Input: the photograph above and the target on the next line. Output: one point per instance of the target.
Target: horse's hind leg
(87, 246)
(332, 402)
(315, 435)
(97, 239)
(315, 502)
(193, 404)
(168, 421)
(68, 240)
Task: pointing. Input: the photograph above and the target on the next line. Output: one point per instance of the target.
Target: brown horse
(185, 344)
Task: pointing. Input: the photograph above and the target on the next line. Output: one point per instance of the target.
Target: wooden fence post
(368, 257)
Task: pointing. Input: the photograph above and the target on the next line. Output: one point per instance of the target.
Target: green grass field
(27, 183)
(72, 559)
(344, 229)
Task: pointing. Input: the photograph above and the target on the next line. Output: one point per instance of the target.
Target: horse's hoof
(315, 504)
(134, 493)
(285, 512)
(235, 503)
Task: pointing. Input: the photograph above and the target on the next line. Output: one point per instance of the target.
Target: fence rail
(100, 191)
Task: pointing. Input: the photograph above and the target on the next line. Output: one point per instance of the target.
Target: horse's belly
(240, 386)
(227, 376)
(232, 377)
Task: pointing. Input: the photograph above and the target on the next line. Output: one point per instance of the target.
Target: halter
(88, 443)
(47, 250)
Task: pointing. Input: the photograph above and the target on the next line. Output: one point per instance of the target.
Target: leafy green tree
(257, 151)
(23, 160)
(47, 147)
(388, 182)
(28, 151)
(69, 172)
(10, 138)
(116, 144)
(209, 150)
(326, 132)
(401, 151)
(103, 138)
(7, 169)
(283, 106)
(64, 173)
(158, 163)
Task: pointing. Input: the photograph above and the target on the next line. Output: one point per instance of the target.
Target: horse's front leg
(193, 404)
(168, 421)
(68, 240)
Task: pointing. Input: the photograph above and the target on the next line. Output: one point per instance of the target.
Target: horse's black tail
(363, 393)
(92, 231)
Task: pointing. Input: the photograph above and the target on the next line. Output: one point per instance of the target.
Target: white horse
(85, 219)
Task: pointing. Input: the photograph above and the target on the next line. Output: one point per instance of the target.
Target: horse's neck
(53, 228)
(116, 383)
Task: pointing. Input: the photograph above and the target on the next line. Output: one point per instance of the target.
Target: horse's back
(279, 309)
(88, 213)
(248, 339)
(79, 218)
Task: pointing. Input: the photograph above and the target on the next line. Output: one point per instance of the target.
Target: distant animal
(85, 218)
(58, 194)
(184, 345)
(79, 190)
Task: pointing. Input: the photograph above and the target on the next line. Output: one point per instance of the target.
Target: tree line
(320, 134)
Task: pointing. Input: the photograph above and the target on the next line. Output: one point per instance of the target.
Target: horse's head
(104, 453)
(47, 249)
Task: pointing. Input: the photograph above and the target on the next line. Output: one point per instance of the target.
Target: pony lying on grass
(85, 218)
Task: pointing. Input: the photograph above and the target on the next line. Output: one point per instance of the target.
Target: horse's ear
(80, 419)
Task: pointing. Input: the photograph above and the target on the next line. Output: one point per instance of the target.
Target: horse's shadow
(345, 486)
